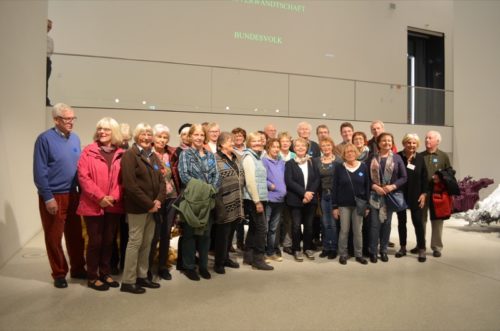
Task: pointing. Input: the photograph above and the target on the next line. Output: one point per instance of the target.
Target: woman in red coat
(100, 200)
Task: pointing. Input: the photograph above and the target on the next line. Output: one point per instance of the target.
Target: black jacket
(447, 175)
(294, 180)
(417, 180)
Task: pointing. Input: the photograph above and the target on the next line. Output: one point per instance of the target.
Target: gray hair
(437, 134)
(59, 109)
(160, 128)
(223, 138)
(304, 124)
(112, 124)
(140, 128)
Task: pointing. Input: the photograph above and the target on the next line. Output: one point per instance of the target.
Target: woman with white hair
(414, 191)
(101, 199)
(168, 157)
(144, 191)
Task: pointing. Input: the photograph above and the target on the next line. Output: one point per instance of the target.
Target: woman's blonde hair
(112, 124)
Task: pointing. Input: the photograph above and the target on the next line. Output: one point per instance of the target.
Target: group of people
(296, 195)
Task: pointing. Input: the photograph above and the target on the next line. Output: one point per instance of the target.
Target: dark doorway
(426, 95)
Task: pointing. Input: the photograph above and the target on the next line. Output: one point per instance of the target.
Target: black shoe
(219, 269)
(102, 287)
(343, 260)
(332, 255)
(192, 274)
(80, 275)
(164, 274)
(205, 274)
(384, 257)
(259, 263)
(60, 282)
(361, 260)
(422, 259)
(400, 253)
(391, 244)
(288, 250)
(109, 281)
(323, 254)
(132, 288)
(414, 250)
(436, 254)
(144, 282)
(231, 264)
(373, 258)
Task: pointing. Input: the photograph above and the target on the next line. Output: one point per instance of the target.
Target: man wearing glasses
(55, 159)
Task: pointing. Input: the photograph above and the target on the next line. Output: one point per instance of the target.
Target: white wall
(23, 29)
(477, 82)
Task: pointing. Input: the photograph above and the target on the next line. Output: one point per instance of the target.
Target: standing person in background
(213, 132)
(55, 160)
(351, 182)
(346, 131)
(434, 160)
(360, 141)
(285, 231)
(270, 131)
(275, 168)
(322, 132)
(229, 207)
(285, 143)
(377, 127)
(304, 132)
(198, 169)
(165, 218)
(144, 192)
(255, 199)
(50, 51)
(302, 183)
(120, 238)
(326, 166)
(387, 174)
(415, 191)
(101, 200)
(239, 138)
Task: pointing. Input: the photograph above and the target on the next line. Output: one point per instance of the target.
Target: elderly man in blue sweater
(55, 159)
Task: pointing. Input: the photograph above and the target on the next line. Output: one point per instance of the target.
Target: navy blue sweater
(343, 195)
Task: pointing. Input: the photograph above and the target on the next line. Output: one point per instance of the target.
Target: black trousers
(302, 215)
(223, 241)
(118, 251)
(163, 228)
(257, 229)
(416, 218)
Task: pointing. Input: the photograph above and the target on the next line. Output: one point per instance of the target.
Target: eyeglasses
(67, 119)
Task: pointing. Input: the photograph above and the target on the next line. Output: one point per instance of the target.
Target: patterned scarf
(381, 179)
(302, 160)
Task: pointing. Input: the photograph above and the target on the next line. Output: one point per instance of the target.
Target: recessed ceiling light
(117, 100)
(324, 115)
(256, 109)
(227, 107)
(144, 102)
(277, 110)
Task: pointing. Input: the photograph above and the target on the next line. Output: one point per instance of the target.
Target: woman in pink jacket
(100, 200)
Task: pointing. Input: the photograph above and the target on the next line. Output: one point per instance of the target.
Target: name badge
(411, 166)
(155, 166)
(434, 160)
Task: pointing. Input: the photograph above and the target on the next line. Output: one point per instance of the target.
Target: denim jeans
(379, 231)
(330, 239)
(273, 215)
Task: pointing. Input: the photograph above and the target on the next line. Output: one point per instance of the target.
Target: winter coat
(97, 181)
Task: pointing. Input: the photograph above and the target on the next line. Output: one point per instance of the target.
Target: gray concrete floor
(459, 291)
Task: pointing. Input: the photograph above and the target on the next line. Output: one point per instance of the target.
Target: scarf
(381, 179)
(302, 160)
